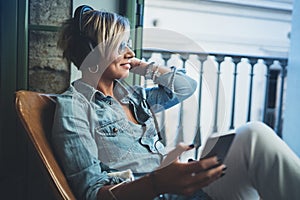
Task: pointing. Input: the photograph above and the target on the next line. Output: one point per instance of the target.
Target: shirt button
(115, 129)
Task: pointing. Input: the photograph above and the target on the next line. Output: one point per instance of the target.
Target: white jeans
(259, 164)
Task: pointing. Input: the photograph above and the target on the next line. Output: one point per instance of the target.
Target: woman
(104, 130)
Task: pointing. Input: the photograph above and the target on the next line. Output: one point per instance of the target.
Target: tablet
(217, 145)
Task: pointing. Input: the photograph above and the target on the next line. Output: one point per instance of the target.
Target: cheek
(114, 58)
(112, 67)
(109, 71)
(117, 59)
(114, 55)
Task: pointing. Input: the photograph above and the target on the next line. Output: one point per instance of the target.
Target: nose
(129, 53)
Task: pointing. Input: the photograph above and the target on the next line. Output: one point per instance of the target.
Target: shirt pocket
(108, 130)
(119, 131)
(114, 141)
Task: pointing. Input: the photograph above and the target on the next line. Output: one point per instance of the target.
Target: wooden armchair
(36, 112)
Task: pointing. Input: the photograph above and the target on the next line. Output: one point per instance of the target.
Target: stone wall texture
(48, 72)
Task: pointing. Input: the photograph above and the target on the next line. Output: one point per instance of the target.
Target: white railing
(233, 89)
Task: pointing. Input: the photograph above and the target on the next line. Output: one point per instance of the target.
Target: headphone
(78, 15)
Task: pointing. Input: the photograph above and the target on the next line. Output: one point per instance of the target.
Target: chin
(124, 76)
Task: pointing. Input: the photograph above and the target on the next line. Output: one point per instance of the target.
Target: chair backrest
(36, 112)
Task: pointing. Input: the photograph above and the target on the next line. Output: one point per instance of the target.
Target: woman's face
(119, 67)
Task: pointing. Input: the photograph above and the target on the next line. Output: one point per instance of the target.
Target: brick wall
(48, 72)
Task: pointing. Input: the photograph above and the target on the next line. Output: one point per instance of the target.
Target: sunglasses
(124, 45)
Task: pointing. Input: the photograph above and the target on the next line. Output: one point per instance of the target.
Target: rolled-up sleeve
(75, 148)
(173, 87)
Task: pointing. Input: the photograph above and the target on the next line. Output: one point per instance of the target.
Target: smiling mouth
(126, 65)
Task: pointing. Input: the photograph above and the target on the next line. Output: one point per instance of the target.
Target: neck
(104, 86)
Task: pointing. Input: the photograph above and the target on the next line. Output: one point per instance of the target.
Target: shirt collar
(121, 92)
(89, 92)
(85, 89)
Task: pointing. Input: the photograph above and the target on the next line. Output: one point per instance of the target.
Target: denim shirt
(91, 133)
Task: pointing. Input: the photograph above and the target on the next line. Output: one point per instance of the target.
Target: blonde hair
(98, 28)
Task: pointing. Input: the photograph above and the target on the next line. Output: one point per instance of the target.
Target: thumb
(175, 154)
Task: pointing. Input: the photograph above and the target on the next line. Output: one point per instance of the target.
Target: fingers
(186, 147)
(207, 170)
(207, 177)
(203, 173)
(187, 178)
(191, 181)
(202, 165)
(135, 62)
(203, 179)
(174, 154)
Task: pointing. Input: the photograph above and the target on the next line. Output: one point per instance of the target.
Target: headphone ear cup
(92, 44)
(90, 55)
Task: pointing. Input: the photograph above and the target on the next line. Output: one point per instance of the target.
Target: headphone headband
(79, 13)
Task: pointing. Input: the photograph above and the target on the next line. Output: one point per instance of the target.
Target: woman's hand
(135, 62)
(140, 67)
(174, 154)
(187, 178)
(176, 178)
